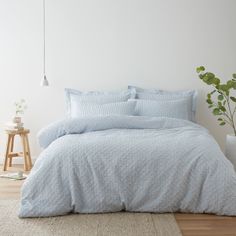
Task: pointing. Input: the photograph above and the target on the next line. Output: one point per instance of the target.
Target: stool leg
(24, 152)
(28, 151)
(7, 152)
(11, 148)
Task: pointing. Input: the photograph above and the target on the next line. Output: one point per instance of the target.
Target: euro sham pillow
(75, 97)
(163, 95)
(141, 90)
(92, 109)
(178, 108)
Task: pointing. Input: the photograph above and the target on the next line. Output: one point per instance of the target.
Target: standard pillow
(92, 109)
(160, 95)
(178, 108)
(75, 97)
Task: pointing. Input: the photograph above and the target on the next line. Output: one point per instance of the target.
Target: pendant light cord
(44, 81)
(44, 40)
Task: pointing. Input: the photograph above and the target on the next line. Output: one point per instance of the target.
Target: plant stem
(234, 110)
(231, 115)
(229, 121)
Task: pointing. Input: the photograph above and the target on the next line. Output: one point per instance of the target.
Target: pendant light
(44, 81)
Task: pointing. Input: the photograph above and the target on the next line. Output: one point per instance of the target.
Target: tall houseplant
(223, 105)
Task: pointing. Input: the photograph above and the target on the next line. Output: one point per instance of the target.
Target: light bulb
(44, 82)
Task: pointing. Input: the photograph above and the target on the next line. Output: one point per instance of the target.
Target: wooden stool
(26, 149)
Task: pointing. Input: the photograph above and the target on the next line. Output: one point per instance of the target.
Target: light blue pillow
(92, 109)
(163, 95)
(141, 90)
(178, 108)
(75, 97)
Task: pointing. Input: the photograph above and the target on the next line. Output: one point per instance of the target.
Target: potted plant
(20, 108)
(223, 105)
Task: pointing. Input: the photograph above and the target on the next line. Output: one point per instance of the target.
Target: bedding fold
(95, 123)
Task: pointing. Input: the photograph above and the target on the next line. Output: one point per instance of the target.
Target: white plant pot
(16, 119)
(230, 150)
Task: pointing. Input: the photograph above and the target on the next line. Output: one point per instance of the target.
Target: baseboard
(16, 160)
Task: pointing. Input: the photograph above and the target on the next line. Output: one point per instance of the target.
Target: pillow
(178, 108)
(74, 97)
(160, 95)
(92, 109)
(138, 89)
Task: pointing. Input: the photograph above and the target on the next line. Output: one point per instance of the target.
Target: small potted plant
(223, 105)
(20, 108)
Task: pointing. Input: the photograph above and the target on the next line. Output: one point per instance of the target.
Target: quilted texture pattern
(75, 97)
(152, 165)
(164, 95)
(91, 109)
(178, 108)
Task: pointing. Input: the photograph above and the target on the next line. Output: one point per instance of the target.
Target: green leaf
(216, 112)
(210, 106)
(223, 87)
(210, 75)
(230, 83)
(233, 99)
(209, 101)
(222, 108)
(220, 97)
(201, 76)
(222, 123)
(200, 69)
(208, 80)
(216, 81)
(234, 76)
(220, 119)
(234, 84)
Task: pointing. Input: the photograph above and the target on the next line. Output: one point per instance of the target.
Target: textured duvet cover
(139, 164)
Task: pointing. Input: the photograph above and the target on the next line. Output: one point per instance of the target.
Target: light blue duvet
(140, 164)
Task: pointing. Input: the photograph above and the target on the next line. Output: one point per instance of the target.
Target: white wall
(108, 44)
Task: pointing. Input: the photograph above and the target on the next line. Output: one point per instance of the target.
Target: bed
(125, 157)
